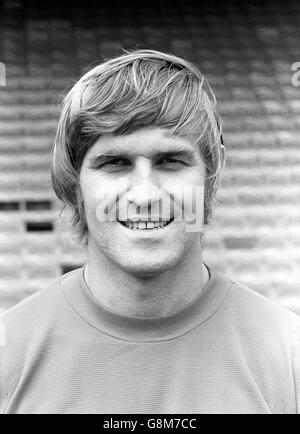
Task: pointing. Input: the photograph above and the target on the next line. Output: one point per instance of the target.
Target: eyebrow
(179, 152)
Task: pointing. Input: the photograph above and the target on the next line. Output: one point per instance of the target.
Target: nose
(143, 187)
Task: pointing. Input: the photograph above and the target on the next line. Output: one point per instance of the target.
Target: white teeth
(145, 225)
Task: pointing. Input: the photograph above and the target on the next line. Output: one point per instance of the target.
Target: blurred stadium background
(246, 51)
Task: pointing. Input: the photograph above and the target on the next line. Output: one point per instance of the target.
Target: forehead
(145, 141)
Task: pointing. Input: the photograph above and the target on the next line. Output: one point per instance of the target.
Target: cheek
(90, 192)
(188, 194)
(99, 196)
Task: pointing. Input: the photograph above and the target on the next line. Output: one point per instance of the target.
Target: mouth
(145, 225)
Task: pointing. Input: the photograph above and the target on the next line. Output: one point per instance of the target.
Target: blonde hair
(137, 89)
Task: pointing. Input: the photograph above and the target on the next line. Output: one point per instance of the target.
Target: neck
(156, 296)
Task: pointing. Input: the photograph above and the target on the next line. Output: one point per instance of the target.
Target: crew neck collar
(141, 329)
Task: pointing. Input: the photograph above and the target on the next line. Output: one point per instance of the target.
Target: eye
(117, 163)
(171, 162)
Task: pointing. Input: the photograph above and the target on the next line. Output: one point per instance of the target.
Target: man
(145, 326)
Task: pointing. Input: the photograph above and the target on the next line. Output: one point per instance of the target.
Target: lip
(150, 233)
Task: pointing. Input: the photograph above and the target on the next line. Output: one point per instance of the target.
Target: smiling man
(136, 251)
(145, 326)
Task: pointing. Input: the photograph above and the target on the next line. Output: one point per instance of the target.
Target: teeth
(145, 225)
(140, 225)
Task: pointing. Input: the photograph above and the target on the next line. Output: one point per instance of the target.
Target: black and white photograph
(149, 209)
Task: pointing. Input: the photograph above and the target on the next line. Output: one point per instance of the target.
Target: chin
(149, 269)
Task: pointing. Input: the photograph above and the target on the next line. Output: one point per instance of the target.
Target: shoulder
(270, 337)
(258, 318)
(37, 302)
(36, 314)
(27, 330)
(253, 305)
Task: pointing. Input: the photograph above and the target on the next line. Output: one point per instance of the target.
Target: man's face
(149, 172)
